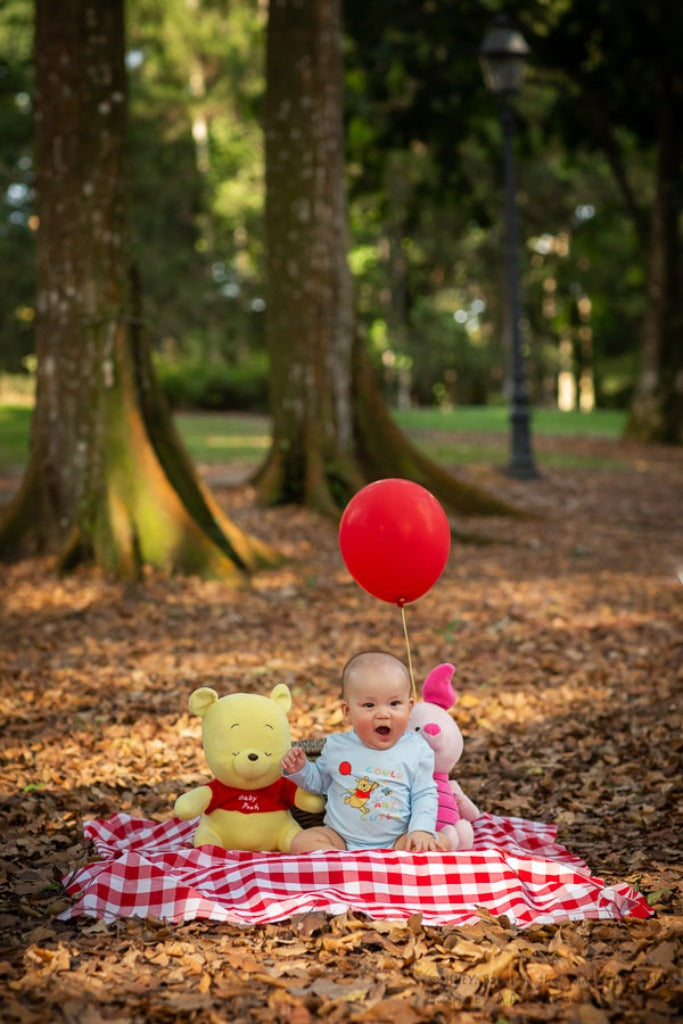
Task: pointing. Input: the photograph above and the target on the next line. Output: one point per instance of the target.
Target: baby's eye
(396, 703)
(368, 704)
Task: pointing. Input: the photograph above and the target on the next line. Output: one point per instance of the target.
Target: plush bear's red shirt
(279, 796)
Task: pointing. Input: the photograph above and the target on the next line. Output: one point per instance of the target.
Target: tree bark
(108, 479)
(656, 412)
(331, 430)
(309, 331)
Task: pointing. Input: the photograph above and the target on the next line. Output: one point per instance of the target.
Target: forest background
(595, 138)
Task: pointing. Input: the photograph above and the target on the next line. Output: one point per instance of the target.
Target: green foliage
(454, 362)
(424, 178)
(197, 384)
(434, 219)
(583, 281)
(615, 384)
(196, 81)
(17, 227)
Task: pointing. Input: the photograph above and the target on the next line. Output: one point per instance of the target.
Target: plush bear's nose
(253, 757)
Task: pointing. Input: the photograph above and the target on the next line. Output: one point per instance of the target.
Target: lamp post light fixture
(503, 60)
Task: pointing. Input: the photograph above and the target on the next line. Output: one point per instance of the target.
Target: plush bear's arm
(189, 805)
(468, 810)
(310, 802)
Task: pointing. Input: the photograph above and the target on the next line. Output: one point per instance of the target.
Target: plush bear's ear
(201, 700)
(281, 695)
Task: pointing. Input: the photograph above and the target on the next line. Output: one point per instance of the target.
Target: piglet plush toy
(431, 719)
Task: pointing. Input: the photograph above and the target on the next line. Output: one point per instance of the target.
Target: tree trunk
(108, 478)
(308, 320)
(331, 430)
(656, 412)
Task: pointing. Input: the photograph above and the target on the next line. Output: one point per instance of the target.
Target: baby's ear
(281, 695)
(201, 700)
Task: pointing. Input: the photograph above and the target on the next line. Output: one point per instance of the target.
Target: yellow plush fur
(244, 736)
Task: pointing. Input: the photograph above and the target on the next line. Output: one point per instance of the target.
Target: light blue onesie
(374, 796)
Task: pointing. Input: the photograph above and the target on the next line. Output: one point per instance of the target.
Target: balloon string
(410, 661)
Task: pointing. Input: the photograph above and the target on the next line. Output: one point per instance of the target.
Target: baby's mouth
(383, 730)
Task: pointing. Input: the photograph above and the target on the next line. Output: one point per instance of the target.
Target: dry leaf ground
(566, 630)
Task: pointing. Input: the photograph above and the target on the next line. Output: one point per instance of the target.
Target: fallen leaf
(426, 968)
(589, 1014)
(566, 630)
(494, 966)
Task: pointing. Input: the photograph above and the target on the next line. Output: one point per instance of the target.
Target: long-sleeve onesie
(374, 796)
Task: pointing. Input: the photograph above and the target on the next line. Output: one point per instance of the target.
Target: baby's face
(378, 703)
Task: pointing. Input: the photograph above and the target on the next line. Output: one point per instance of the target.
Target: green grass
(214, 437)
(15, 421)
(456, 436)
(480, 434)
(494, 419)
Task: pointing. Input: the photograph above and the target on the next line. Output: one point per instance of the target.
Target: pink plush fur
(431, 719)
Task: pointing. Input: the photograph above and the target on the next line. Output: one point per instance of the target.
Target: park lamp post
(503, 59)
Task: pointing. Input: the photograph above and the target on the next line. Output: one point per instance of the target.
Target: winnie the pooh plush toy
(246, 805)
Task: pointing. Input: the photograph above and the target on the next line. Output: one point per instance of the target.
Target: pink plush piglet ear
(437, 687)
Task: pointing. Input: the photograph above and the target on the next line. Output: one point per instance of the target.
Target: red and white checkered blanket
(515, 868)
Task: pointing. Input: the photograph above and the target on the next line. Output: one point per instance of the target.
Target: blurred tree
(331, 430)
(624, 98)
(196, 79)
(107, 478)
(598, 72)
(422, 162)
(17, 225)
(423, 170)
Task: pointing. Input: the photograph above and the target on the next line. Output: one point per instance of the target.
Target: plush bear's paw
(310, 802)
(448, 838)
(189, 805)
(465, 835)
(457, 837)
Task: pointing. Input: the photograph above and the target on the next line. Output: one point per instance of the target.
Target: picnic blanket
(515, 869)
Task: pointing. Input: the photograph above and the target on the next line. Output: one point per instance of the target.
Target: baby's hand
(293, 761)
(421, 842)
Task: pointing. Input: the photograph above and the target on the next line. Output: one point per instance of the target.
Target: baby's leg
(319, 838)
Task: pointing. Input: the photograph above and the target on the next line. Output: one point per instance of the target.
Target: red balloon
(395, 538)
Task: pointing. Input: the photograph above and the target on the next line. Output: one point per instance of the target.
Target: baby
(377, 777)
